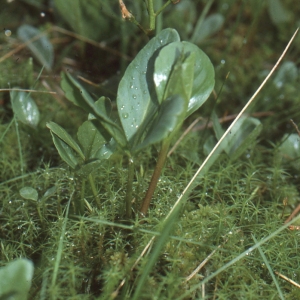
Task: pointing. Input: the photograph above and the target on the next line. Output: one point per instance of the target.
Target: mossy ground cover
(238, 203)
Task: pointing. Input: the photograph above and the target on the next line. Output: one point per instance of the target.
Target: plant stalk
(128, 198)
(152, 16)
(94, 190)
(79, 203)
(156, 174)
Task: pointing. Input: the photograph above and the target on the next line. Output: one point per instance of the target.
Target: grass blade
(270, 269)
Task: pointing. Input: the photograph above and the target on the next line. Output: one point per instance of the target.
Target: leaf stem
(163, 7)
(128, 198)
(156, 174)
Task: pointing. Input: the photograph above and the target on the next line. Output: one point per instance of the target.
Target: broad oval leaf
(25, 109)
(204, 75)
(136, 92)
(29, 193)
(41, 47)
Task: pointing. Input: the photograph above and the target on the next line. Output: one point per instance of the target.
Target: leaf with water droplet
(171, 113)
(203, 79)
(136, 76)
(25, 109)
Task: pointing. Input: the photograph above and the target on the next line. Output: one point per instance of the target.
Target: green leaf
(15, 280)
(90, 138)
(242, 136)
(86, 18)
(29, 193)
(87, 168)
(136, 99)
(210, 26)
(50, 192)
(64, 136)
(249, 132)
(290, 149)
(277, 12)
(25, 108)
(76, 93)
(209, 144)
(170, 115)
(287, 74)
(219, 131)
(65, 151)
(41, 47)
(106, 150)
(203, 78)
(114, 130)
(174, 72)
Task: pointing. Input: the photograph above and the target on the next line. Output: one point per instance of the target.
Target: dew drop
(222, 61)
(42, 14)
(131, 86)
(134, 96)
(124, 115)
(7, 32)
(122, 107)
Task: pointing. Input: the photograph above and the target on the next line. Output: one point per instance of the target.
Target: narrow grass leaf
(240, 256)
(167, 227)
(61, 244)
(269, 269)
